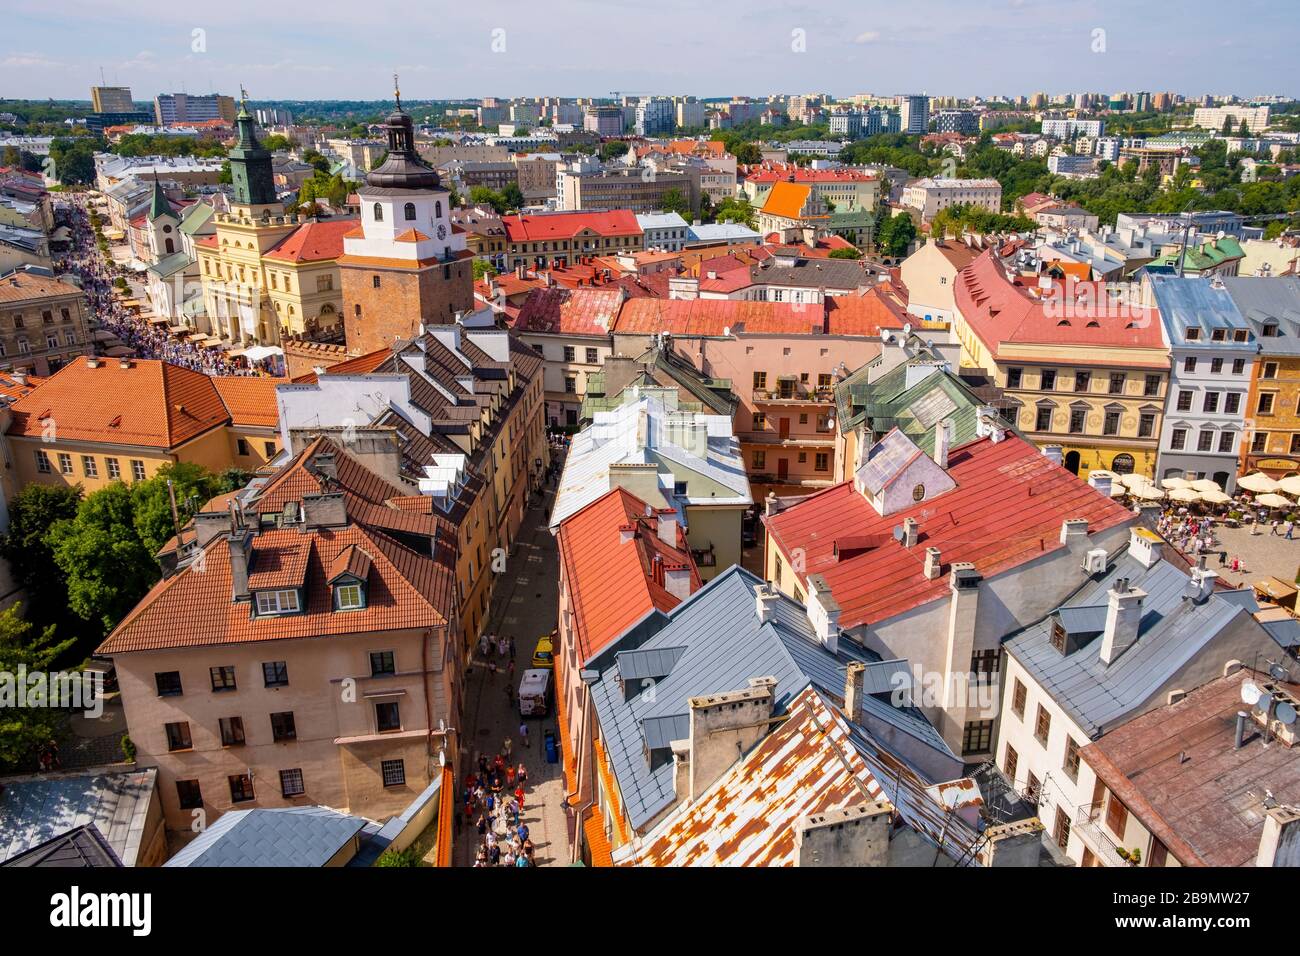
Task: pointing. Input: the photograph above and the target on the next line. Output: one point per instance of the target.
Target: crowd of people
(109, 313)
(493, 800)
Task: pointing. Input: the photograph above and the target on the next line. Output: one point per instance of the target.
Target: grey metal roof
(36, 809)
(720, 644)
(1275, 298)
(284, 836)
(1173, 630)
(81, 847)
(654, 662)
(1200, 302)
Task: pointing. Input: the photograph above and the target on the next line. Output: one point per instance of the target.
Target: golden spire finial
(397, 92)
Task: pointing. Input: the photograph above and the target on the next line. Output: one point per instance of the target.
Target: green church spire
(250, 162)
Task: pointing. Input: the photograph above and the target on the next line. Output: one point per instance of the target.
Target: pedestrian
(511, 665)
(482, 824)
(523, 734)
(484, 642)
(1223, 558)
(1236, 564)
(523, 832)
(522, 774)
(492, 670)
(512, 649)
(505, 746)
(1288, 527)
(510, 693)
(510, 775)
(519, 796)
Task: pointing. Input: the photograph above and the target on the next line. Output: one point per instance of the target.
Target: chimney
(1074, 533)
(823, 612)
(910, 530)
(677, 580)
(933, 564)
(1239, 739)
(1144, 546)
(852, 836)
(325, 466)
(1014, 844)
(1279, 844)
(209, 525)
(668, 527)
(854, 688)
(324, 511)
(764, 600)
(626, 532)
(124, 362)
(241, 550)
(1123, 618)
(92, 361)
(942, 437)
(19, 375)
(724, 727)
(1101, 482)
(1054, 454)
(963, 611)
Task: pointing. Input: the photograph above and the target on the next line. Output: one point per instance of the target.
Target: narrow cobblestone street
(525, 607)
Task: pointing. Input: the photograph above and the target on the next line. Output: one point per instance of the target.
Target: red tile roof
(1007, 509)
(149, 402)
(790, 172)
(10, 389)
(611, 583)
(251, 400)
(716, 316)
(569, 311)
(864, 314)
(566, 225)
(998, 312)
(312, 242)
(22, 286)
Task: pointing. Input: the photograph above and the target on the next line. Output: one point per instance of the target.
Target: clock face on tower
(442, 231)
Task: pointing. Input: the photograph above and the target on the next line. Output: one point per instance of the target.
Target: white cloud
(869, 37)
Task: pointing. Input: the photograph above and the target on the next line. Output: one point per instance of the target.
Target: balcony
(1092, 832)
(793, 393)
(774, 439)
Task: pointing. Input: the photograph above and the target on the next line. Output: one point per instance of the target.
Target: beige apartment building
(42, 323)
(639, 190)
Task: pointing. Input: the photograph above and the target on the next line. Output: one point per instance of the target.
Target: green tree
(845, 254)
(486, 196)
(193, 485)
(896, 235)
(674, 200)
(99, 551)
(25, 729)
(512, 196)
(32, 513)
(483, 269)
(1243, 130)
(734, 209)
(613, 149)
(1227, 126)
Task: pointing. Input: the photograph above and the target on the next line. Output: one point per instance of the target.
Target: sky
(331, 49)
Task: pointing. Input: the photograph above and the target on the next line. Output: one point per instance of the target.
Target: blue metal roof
(284, 836)
(720, 644)
(1173, 630)
(1203, 303)
(37, 809)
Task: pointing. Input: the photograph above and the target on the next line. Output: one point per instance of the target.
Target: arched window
(379, 213)
(171, 246)
(409, 210)
(437, 209)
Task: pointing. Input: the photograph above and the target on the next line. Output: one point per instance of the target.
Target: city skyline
(793, 47)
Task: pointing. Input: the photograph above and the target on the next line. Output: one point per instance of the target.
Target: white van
(534, 692)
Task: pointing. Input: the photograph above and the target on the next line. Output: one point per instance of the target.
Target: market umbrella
(1215, 497)
(1117, 490)
(1184, 495)
(1290, 486)
(1147, 493)
(1135, 480)
(1257, 482)
(1169, 484)
(1204, 484)
(1271, 500)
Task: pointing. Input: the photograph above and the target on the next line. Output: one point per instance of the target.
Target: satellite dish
(907, 329)
(1277, 671)
(1250, 693)
(1265, 702)
(898, 532)
(1285, 712)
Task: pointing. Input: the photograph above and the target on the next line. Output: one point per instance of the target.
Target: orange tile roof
(10, 389)
(446, 818)
(612, 583)
(597, 843)
(251, 400)
(566, 225)
(361, 365)
(864, 314)
(787, 199)
(21, 286)
(318, 241)
(716, 316)
(283, 565)
(149, 402)
(611, 791)
(410, 235)
(570, 311)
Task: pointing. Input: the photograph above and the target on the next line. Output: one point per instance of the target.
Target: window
(275, 674)
(760, 381)
(277, 602)
(821, 461)
(1062, 834)
(269, 449)
(223, 677)
(1193, 334)
(1071, 764)
(1178, 439)
(1225, 441)
(570, 385)
(232, 731)
(1204, 440)
(593, 356)
(1146, 424)
(374, 281)
(1011, 763)
(1116, 816)
(977, 737)
(393, 772)
(918, 493)
(241, 447)
(241, 787)
(1211, 402)
(1216, 366)
(137, 469)
(568, 353)
(1110, 425)
(758, 460)
(1270, 370)
(114, 469)
(189, 795)
(1078, 417)
(1058, 636)
(1232, 402)
(88, 466)
(1116, 383)
(1082, 381)
(382, 664)
(1238, 366)
(1013, 377)
(1184, 401)
(378, 211)
(43, 463)
(178, 736)
(1032, 788)
(388, 716)
(348, 597)
(291, 784)
(168, 683)
(1260, 442)
(65, 463)
(408, 211)
(1042, 724)
(985, 661)
(1295, 444)
(1048, 382)
(760, 421)
(1019, 694)
(282, 726)
(1189, 364)
(1043, 420)
(1265, 403)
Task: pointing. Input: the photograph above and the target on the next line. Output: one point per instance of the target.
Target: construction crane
(619, 94)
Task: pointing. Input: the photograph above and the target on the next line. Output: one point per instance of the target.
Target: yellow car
(543, 655)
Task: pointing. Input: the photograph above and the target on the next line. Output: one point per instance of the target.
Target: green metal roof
(196, 217)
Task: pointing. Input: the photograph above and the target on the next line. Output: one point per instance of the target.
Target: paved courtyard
(525, 606)
(1262, 554)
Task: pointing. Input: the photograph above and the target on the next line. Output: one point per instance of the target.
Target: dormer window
(270, 603)
(1058, 636)
(349, 596)
(1193, 334)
